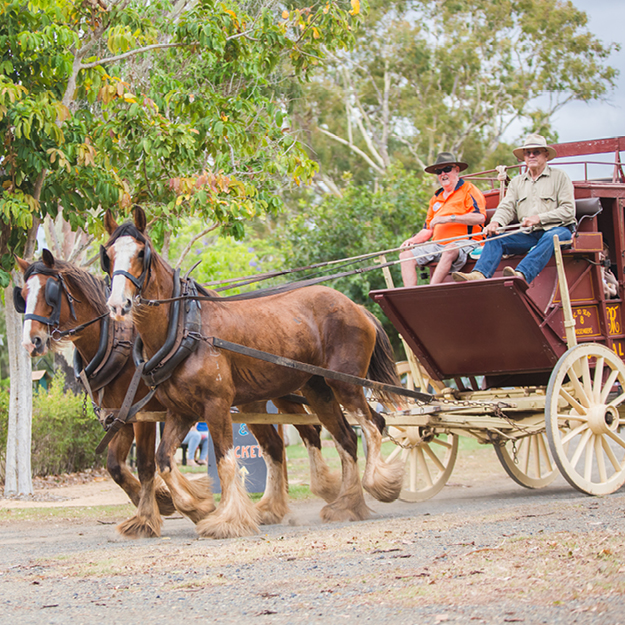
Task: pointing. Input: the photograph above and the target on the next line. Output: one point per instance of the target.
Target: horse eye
(141, 254)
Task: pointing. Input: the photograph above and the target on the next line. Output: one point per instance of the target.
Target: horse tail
(382, 363)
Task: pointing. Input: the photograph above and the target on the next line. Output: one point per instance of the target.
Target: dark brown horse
(315, 325)
(88, 296)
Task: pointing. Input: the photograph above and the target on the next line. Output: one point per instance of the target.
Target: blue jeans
(192, 440)
(521, 243)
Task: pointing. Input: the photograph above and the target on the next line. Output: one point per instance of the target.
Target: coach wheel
(584, 425)
(428, 457)
(527, 460)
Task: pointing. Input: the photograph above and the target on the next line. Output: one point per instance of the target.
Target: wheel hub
(602, 419)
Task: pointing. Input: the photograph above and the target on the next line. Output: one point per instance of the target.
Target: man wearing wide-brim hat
(453, 224)
(541, 198)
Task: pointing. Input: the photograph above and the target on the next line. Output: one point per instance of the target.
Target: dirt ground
(482, 551)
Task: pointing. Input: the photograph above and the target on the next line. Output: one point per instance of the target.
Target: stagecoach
(536, 371)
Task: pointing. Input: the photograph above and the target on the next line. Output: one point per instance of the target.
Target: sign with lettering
(614, 319)
(619, 349)
(586, 321)
(249, 456)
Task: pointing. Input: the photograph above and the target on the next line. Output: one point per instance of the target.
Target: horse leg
(191, 498)
(147, 522)
(116, 463)
(381, 480)
(273, 505)
(350, 503)
(323, 482)
(236, 515)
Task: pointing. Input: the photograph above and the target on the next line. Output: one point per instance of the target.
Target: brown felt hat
(445, 158)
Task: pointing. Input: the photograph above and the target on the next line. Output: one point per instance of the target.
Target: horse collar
(185, 324)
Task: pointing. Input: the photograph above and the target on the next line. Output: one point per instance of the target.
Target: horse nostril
(37, 342)
(127, 306)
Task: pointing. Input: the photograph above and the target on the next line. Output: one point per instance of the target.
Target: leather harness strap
(124, 412)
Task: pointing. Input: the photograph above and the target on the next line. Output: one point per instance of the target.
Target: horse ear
(47, 258)
(22, 264)
(140, 219)
(110, 225)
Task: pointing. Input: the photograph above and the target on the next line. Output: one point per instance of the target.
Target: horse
(315, 325)
(64, 297)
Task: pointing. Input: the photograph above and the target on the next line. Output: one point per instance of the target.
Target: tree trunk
(18, 478)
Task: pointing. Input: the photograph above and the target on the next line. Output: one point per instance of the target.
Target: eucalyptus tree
(433, 75)
(171, 103)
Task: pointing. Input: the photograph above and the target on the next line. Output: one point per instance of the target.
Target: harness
(183, 336)
(185, 325)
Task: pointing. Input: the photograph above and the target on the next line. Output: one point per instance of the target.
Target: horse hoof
(164, 502)
(340, 513)
(137, 527)
(386, 481)
(216, 528)
(270, 517)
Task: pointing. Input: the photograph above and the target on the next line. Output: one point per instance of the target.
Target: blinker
(105, 261)
(18, 301)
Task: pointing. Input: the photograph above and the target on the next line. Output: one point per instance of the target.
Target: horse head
(41, 298)
(126, 258)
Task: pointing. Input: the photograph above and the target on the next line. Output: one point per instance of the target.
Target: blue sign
(249, 457)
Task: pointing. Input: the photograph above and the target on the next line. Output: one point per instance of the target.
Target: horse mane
(128, 230)
(92, 288)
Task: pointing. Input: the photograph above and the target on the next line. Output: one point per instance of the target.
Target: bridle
(105, 264)
(54, 289)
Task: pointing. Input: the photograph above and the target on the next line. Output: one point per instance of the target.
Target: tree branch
(187, 249)
(126, 55)
(353, 148)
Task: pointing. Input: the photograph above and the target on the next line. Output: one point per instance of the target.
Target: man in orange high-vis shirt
(458, 208)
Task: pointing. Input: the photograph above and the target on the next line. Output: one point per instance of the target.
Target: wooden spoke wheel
(584, 426)
(429, 457)
(530, 464)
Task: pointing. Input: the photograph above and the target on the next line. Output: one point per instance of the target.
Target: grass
(104, 514)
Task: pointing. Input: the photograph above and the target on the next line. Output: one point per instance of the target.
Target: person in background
(192, 440)
(457, 209)
(202, 429)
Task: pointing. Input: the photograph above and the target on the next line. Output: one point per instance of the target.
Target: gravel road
(482, 551)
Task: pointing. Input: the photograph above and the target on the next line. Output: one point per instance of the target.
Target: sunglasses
(443, 170)
(530, 152)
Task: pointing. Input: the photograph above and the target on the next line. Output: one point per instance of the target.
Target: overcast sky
(578, 121)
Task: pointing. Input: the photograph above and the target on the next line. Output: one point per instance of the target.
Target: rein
(299, 284)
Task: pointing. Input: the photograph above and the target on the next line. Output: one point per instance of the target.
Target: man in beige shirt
(541, 198)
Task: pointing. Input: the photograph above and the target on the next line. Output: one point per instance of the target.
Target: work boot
(458, 276)
(510, 272)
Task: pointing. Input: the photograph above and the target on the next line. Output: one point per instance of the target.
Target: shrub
(64, 436)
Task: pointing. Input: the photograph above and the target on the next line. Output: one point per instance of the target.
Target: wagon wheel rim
(530, 464)
(428, 464)
(584, 426)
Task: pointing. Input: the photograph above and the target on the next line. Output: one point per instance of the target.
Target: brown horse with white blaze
(80, 299)
(315, 325)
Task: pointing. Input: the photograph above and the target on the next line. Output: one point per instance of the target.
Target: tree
(169, 103)
(448, 75)
(360, 221)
